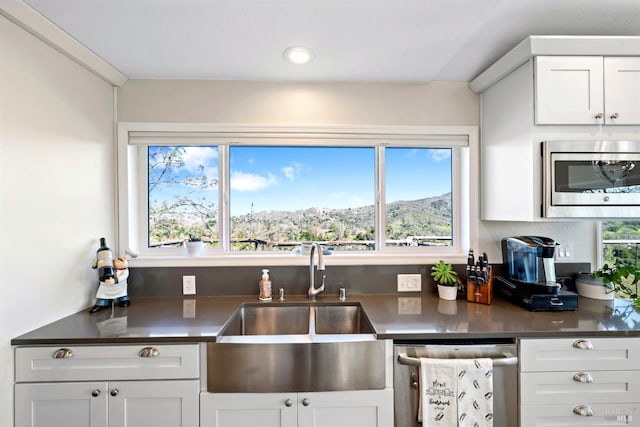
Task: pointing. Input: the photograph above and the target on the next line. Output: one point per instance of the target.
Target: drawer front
(90, 363)
(580, 387)
(614, 414)
(568, 354)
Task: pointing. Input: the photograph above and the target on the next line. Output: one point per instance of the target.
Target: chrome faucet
(313, 291)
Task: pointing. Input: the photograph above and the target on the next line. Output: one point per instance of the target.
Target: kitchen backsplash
(363, 279)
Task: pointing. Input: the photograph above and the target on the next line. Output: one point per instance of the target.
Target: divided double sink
(281, 347)
(298, 323)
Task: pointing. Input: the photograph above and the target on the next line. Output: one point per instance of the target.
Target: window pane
(621, 244)
(183, 194)
(281, 197)
(418, 197)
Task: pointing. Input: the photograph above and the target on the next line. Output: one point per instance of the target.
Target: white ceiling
(353, 40)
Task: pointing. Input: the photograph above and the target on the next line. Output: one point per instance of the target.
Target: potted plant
(622, 278)
(447, 280)
(194, 245)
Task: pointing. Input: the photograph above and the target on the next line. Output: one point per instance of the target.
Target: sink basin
(342, 319)
(269, 320)
(269, 348)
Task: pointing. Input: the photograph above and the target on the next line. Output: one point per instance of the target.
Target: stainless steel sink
(295, 348)
(342, 319)
(268, 320)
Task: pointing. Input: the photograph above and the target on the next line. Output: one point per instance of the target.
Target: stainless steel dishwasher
(505, 376)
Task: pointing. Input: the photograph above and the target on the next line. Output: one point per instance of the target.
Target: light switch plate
(409, 282)
(188, 285)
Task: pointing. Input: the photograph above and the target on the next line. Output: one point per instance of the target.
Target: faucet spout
(313, 291)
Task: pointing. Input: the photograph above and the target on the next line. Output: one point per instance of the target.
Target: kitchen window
(251, 193)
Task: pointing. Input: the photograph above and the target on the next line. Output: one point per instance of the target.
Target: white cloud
(194, 157)
(290, 172)
(440, 155)
(242, 181)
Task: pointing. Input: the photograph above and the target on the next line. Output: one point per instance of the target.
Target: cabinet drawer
(561, 387)
(613, 414)
(90, 363)
(570, 354)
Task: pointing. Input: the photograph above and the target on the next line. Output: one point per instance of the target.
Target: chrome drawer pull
(583, 377)
(288, 403)
(62, 353)
(149, 352)
(583, 410)
(95, 393)
(583, 345)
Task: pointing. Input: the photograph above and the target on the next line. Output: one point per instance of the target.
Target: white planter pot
(590, 287)
(449, 293)
(194, 248)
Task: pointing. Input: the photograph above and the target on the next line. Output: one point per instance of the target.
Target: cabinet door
(153, 403)
(248, 410)
(569, 90)
(61, 404)
(622, 90)
(366, 408)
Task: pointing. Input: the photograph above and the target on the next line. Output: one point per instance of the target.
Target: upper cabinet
(550, 88)
(587, 90)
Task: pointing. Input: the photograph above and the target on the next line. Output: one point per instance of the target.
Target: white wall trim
(29, 19)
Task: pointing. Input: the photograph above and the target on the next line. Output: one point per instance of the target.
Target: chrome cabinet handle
(583, 345)
(149, 352)
(583, 377)
(114, 392)
(305, 402)
(583, 410)
(95, 393)
(614, 116)
(62, 353)
(288, 403)
(599, 116)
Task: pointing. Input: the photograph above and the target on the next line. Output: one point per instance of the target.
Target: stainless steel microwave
(591, 179)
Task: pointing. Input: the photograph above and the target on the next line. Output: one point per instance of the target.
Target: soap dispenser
(265, 287)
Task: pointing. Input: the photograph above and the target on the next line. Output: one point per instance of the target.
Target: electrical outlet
(409, 282)
(564, 252)
(188, 285)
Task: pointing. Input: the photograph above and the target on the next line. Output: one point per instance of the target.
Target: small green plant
(625, 279)
(194, 238)
(444, 274)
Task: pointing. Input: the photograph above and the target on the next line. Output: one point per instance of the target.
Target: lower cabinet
(107, 404)
(107, 386)
(365, 408)
(579, 382)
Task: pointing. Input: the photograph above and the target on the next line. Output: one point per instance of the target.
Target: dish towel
(475, 392)
(456, 392)
(438, 390)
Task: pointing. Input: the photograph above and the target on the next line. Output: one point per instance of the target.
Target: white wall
(57, 188)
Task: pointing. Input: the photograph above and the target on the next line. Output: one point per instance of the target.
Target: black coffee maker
(530, 276)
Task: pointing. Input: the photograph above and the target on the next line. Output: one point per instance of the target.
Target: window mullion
(224, 214)
(380, 204)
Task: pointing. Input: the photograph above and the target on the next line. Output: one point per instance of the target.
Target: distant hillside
(425, 217)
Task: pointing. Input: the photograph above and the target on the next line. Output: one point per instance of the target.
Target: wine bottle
(104, 261)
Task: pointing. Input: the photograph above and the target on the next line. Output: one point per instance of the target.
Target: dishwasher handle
(498, 361)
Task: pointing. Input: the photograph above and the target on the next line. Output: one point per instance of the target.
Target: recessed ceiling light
(298, 54)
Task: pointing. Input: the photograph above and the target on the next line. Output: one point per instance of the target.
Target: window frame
(132, 190)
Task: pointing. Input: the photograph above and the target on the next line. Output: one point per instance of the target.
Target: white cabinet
(587, 90)
(107, 386)
(579, 382)
(547, 89)
(362, 408)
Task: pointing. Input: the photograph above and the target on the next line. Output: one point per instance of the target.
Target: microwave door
(595, 179)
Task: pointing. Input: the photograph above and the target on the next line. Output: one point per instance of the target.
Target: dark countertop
(400, 317)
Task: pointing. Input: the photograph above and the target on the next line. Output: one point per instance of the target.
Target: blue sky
(291, 178)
